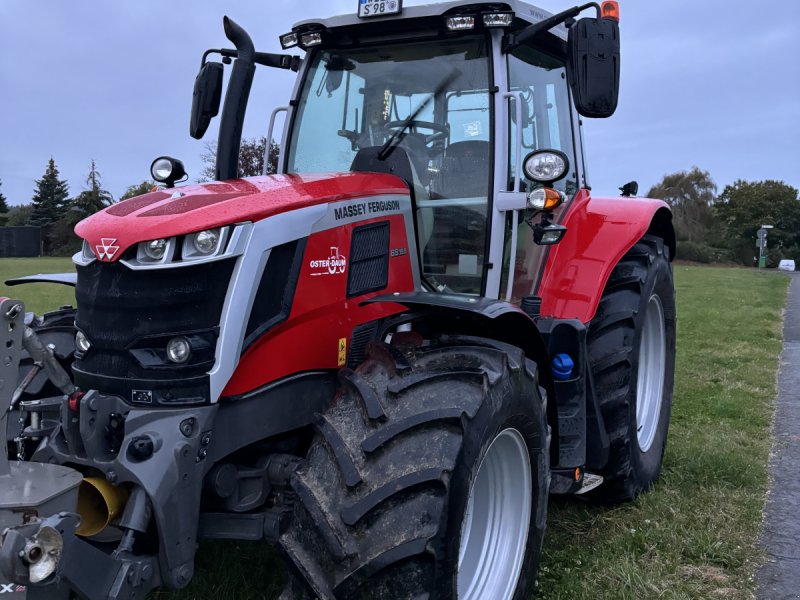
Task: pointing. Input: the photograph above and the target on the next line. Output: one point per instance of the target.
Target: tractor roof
(522, 11)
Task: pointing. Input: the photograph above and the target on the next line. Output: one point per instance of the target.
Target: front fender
(460, 314)
(599, 233)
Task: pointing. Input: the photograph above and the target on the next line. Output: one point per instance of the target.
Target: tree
(251, 158)
(691, 195)
(138, 189)
(50, 197)
(19, 215)
(3, 208)
(3, 203)
(95, 198)
(742, 208)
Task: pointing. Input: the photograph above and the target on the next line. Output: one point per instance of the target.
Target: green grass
(693, 536)
(38, 297)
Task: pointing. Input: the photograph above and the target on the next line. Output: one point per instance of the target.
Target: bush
(702, 253)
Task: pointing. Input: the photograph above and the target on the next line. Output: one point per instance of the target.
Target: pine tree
(3, 203)
(50, 197)
(3, 209)
(95, 198)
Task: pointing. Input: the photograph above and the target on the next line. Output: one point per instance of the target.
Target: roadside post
(761, 244)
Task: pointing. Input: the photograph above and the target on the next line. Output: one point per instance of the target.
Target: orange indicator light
(610, 10)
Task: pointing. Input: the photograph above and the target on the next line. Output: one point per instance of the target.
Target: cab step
(590, 481)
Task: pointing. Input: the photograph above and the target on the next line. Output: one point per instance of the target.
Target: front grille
(120, 309)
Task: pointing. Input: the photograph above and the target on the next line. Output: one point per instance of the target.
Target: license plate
(379, 8)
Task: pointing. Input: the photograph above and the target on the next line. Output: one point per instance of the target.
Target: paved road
(779, 579)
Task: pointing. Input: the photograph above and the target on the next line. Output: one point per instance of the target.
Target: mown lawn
(38, 297)
(693, 536)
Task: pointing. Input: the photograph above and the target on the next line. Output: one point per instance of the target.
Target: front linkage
(136, 521)
(147, 465)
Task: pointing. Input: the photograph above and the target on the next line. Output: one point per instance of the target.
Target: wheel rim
(650, 378)
(494, 532)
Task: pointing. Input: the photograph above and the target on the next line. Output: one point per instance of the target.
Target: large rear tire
(428, 477)
(632, 358)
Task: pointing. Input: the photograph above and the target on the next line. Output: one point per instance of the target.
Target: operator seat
(399, 163)
(465, 170)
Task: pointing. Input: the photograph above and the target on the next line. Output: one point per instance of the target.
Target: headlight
(167, 170)
(189, 249)
(179, 350)
(459, 23)
(289, 40)
(310, 39)
(82, 342)
(546, 166)
(206, 242)
(498, 19)
(155, 249)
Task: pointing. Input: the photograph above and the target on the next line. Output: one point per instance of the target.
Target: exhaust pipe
(99, 503)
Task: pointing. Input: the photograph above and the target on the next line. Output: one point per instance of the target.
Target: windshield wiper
(397, 137)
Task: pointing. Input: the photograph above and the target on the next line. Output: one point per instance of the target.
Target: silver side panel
(264, 236)
(277, 230)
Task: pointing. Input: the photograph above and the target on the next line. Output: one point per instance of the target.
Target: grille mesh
(369, 259)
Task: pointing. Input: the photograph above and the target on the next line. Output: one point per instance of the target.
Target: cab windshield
(358, 98)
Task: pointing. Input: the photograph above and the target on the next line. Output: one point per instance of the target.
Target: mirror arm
(511, 41)
(267, 59)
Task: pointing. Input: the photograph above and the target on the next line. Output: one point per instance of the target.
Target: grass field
(693, 536)
(38, 297)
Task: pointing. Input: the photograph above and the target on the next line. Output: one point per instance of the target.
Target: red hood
(204, 206)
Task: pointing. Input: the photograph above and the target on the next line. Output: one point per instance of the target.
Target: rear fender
(599, 233)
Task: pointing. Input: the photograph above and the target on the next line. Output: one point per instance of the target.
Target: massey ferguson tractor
(381, 359)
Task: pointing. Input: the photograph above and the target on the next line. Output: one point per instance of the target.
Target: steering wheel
(440, 131)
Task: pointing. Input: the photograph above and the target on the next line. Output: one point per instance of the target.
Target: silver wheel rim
(650, 378)
(495, 527)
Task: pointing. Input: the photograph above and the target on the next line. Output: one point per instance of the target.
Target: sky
(710, 83)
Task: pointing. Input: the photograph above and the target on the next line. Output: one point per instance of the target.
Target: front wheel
(428, 477)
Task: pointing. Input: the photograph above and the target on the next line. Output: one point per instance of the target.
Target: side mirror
(206, 98)
(593, 66)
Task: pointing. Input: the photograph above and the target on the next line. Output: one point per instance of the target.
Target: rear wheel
(428, 477)
(632, 358)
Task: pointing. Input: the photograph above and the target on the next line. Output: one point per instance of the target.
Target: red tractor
(381, 359)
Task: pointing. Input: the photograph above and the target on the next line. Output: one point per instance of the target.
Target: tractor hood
(179, 211)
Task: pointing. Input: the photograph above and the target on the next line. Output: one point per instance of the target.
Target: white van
(786, 265)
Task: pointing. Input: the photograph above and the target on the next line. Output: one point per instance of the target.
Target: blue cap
(562, 367)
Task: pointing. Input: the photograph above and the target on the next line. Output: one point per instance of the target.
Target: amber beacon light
(610, 10)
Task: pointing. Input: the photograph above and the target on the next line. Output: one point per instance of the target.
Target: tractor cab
(474, 106)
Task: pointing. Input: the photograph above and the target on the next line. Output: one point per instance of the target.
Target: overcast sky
(710, 83)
